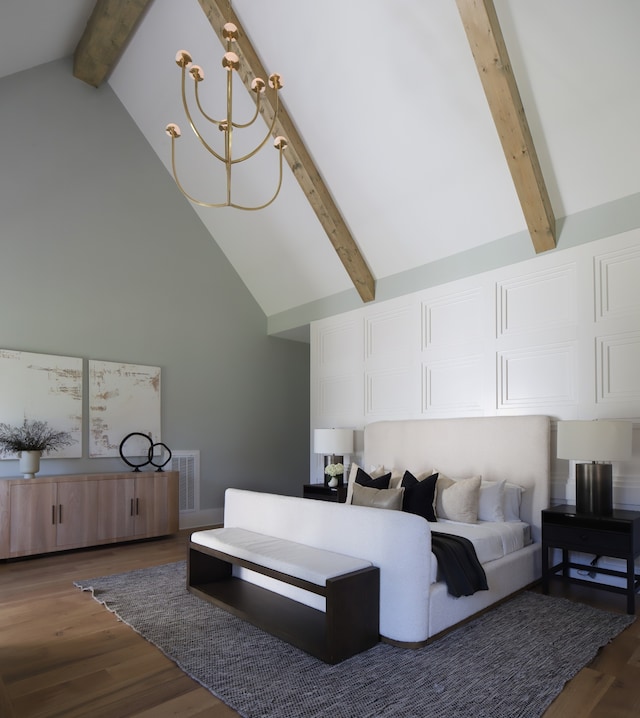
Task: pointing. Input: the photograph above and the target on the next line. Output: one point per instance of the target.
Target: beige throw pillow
(374, 473)
(377, 498)
(458, 500)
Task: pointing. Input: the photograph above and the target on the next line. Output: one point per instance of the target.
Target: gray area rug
(509, 663)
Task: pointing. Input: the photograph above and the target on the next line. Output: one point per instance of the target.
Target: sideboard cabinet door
(116, 516)
(156, 504)
(52, 516)
(33, 509)
(77, 514)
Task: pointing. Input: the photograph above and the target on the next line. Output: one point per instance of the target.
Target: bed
(511, 449)
(415, 604)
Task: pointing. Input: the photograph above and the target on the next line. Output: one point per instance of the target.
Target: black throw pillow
(419, 495)
(382, 482)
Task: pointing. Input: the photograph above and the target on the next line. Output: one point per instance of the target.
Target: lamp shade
(333, 441)
(594, 440)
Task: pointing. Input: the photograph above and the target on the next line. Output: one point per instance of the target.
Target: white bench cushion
(294, 559)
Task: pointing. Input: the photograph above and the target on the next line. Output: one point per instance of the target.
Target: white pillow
(490, 503)
(396, 476)
(457, 500)
(375, 472)
(353, 472)
(511, 502)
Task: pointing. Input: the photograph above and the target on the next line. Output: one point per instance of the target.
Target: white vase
(29, 463)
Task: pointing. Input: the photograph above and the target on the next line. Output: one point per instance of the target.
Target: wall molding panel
(336, 344)
(337, 397)
(617, 288)
(390, 393)
(535, 377)
(535, 301)
(618, 368)
(558, 334)
(454, 387)
(455, 319)
(390, 332)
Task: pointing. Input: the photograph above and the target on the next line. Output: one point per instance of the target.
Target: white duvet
(491, 540)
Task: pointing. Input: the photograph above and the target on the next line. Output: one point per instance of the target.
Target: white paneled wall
(556, 335)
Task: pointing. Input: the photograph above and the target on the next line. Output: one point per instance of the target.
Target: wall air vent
(187, 463)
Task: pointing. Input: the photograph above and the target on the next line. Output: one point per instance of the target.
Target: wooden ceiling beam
(492, 60)
(218, 13)
(108, 30)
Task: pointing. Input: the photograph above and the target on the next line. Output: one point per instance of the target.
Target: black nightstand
(338, 494)
(617, 536)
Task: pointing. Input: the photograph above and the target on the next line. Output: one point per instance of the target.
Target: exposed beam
(492, 60)
(218, 13)
(111, 24)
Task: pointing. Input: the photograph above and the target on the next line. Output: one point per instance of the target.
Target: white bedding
(491, 540)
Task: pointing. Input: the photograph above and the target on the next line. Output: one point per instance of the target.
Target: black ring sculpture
(151, 452)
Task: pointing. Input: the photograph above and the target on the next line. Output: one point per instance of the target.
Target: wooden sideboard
(56, 513)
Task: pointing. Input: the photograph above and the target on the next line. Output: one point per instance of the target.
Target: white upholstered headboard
(516, 448)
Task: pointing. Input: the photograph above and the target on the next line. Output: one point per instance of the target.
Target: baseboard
(202, 518)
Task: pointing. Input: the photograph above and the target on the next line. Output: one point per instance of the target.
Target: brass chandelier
(230, 62)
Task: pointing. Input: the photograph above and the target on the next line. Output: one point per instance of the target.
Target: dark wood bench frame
(349, 625)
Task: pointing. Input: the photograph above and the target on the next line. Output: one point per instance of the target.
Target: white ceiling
(386, 96)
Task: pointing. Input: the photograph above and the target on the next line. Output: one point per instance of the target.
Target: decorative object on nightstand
(599, 442)
(335, 472)
(334, 444)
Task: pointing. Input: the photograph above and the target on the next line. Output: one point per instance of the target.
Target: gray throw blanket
(459, 565)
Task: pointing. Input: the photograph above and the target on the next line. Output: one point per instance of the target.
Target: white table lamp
(334, 444)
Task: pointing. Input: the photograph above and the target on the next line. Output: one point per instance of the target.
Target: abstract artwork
(123, 398)
(43, 387)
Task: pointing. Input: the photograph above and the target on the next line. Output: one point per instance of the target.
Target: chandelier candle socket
(231, 63)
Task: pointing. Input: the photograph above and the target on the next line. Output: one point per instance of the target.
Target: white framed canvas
(123, 399)
(43, 387)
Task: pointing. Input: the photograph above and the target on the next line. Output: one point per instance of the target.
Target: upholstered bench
(349, 586)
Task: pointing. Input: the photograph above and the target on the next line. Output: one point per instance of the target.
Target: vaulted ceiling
(418, 129)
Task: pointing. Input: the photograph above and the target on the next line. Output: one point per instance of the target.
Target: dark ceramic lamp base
(594, 489)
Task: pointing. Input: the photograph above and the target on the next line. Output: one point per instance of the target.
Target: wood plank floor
(62, 654)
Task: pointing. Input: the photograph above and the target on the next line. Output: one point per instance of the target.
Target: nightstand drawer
(589, 540)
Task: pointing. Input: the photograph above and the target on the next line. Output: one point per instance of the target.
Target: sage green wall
(102, 258)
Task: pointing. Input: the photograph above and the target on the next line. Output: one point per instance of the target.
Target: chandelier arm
(266, 204)
(264, 141)
(253, 119)
(191, 122)
(228, 135)
(209, 205)
(202, 112)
